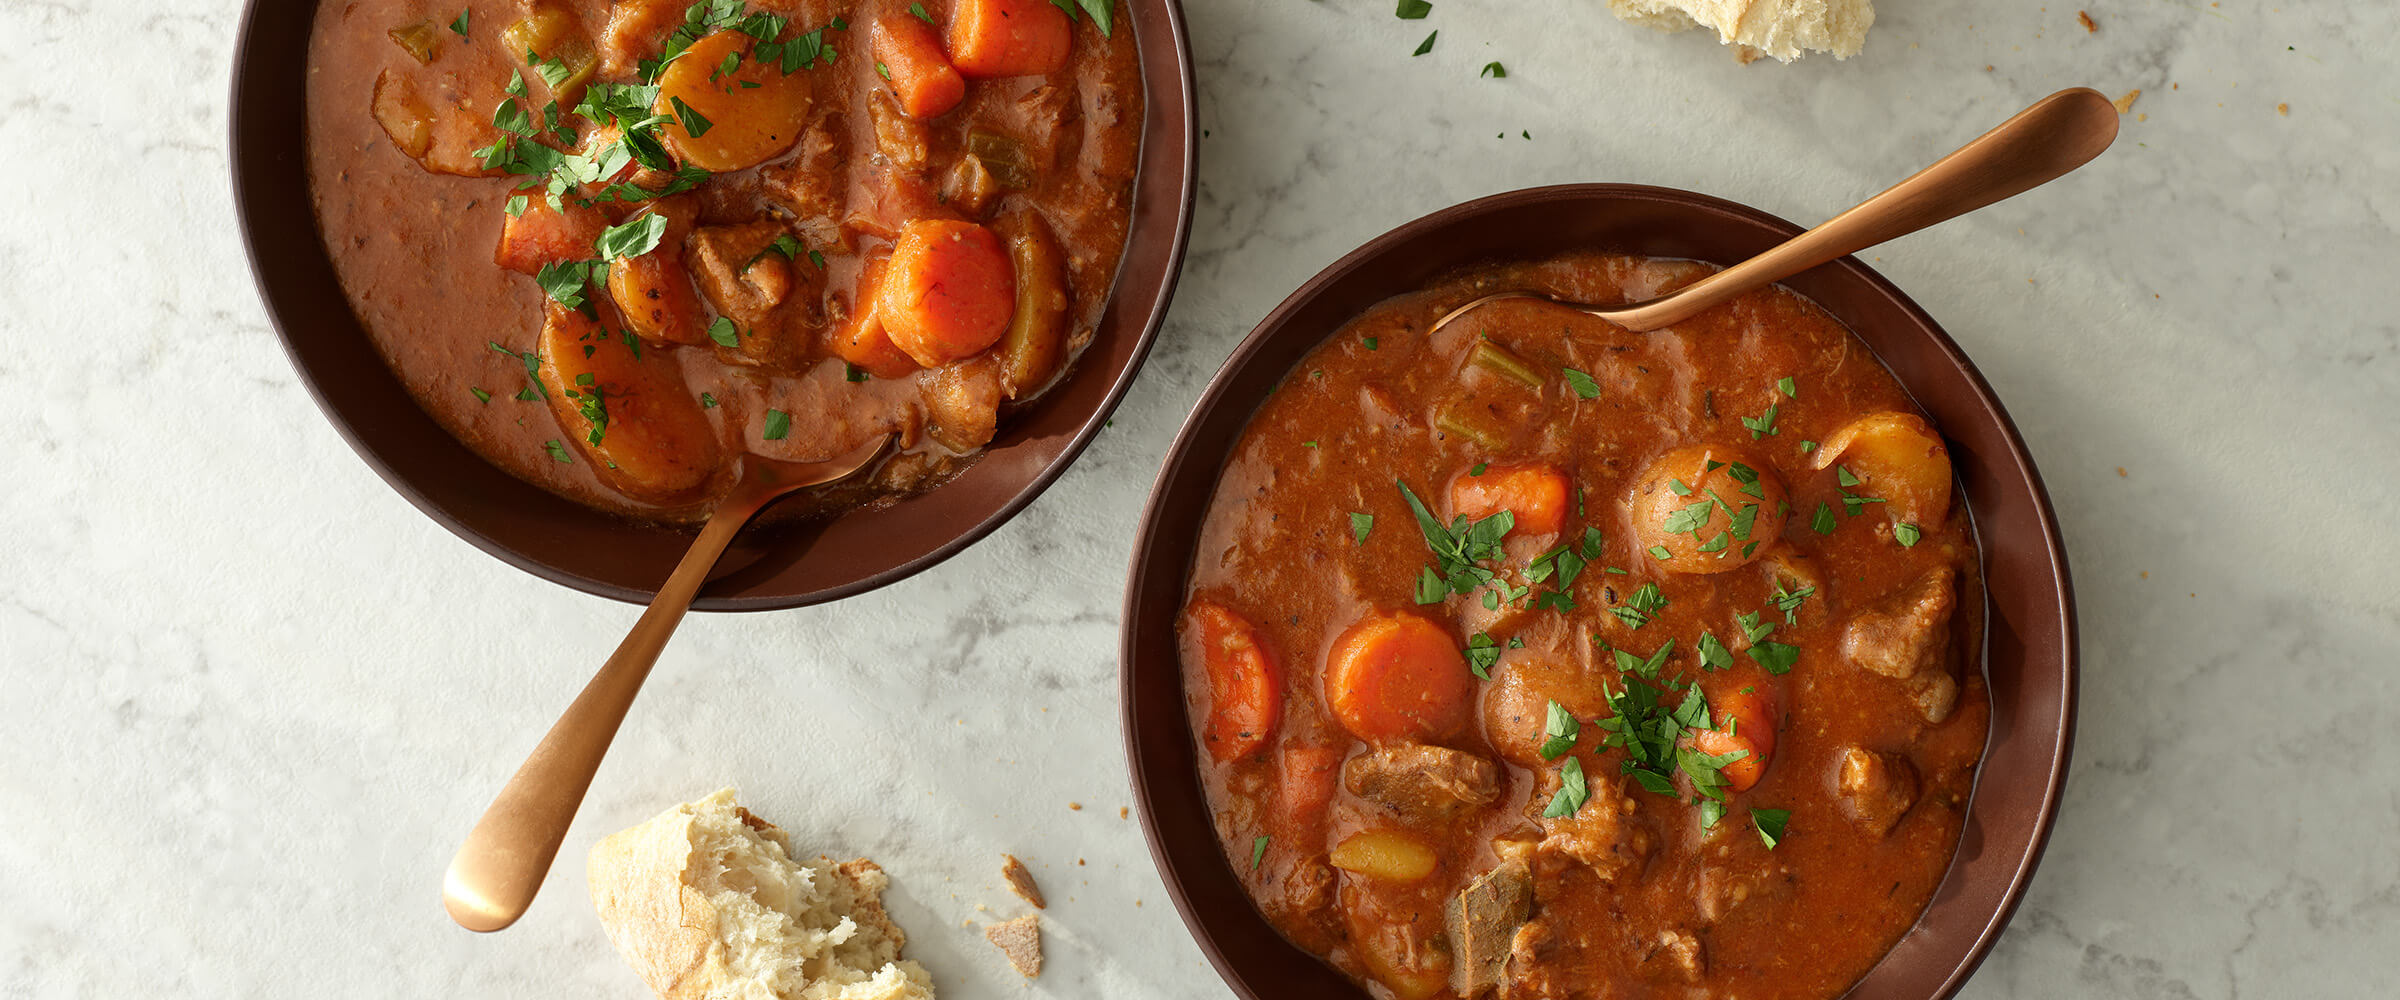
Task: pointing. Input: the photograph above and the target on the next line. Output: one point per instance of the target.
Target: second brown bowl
(2030, 650)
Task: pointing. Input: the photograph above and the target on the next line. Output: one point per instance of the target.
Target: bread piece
(1021, 941)
(706, 903)
(1785, 29)
(1020, 880)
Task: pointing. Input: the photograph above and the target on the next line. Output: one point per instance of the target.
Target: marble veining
(249, 698)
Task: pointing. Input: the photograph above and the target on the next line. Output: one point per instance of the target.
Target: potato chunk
(1707, 508)
(654, 290)
(1898, 457)
(746, 125)
(1389, 855)
(626, 410)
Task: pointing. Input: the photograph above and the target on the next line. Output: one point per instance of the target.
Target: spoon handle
(498, 869)
(2057, 134)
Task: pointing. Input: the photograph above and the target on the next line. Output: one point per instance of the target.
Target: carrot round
(948, 292)
(1009, 37)
(1304, 784)
(908, 54)
(860, 339)
(1536, 494)
(1245, 683)
(1395, 676)
(1744, 722)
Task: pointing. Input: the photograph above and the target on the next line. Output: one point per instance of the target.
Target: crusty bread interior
(706, 903)
(1785, 29)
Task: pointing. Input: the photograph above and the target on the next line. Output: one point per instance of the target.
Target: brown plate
(2029, 655)
(597, 553)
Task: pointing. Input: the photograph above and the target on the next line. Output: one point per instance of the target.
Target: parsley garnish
(1456, 549)
(460, 26)
(1371, 342)
(1713, 654)
(1413, 10)
(1494, 71)
(1425, 47)
(631, 239)
(1578, 381)
(853, 373)
(1482, 653)
(692, 121)
(558, 451)
(1258, 851)
(708, 401)
(725, 333)
(1906, 534)
(778, 424)
(1571, 790)
(1360, 524)
(1823, 522)
(1770, 823)
(1103, 17)
(918, 9)
(1786, 386)
(1762, 425)
(1561, 729)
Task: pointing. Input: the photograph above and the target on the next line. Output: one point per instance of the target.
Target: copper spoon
(497, 871)
(2057, 134)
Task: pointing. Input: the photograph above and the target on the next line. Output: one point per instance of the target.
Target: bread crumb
(2142, 117)
(1020, 880)
(2145, 574)
(2284, 110)
(2087, 22)
(1077, 806)
(1078, 862)
(2121, 470)
(1124, 811)
(1746, 55)
(1021, 941)
(2125, 103)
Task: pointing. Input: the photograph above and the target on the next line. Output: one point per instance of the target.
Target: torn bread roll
(1785, 29)
(706, 903)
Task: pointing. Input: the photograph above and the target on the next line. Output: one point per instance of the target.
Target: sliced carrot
(948, 292)
(1394, 676)
(860, 339)
(908, 53)
(1245, 683)
(1536, 494)
(1744, 722)
(654, 291)
(1009, 37)
(543, 235)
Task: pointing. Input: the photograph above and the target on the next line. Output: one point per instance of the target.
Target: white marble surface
(233, 762)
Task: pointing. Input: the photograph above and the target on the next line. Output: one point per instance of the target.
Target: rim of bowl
(1161, 564)
(261, 148)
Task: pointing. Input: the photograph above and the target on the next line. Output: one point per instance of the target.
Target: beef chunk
(1421, 781)
(1678, 957)
(962, 404)
(1906, 636)
(1876, 789)
(1483, 920)
(1602, 835)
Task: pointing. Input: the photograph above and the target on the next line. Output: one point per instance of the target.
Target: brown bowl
(2029, 655)
(597, 553)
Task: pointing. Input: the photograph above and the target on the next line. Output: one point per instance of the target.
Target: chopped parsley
(1761, 425)
(918, 10)
(1823, 521)
(1371, 342)
(692, 121)
(1578, 381)
(480, 395)
(459, 26)
(1770, 824)
(1572, 792)
(1640, 606)
(1477, 469)
(1360, 524)
(1906, 534)
(1482, 652)
(1413, 10)
(778, 424)
(708, 401)
(558, 451)
(1786, 386)
(1103, 17)
(631, 239)
(725, 333)
(1713, 654)
(1425, 47)
(1495, 71)
(853, 373)
(1258, 851)
(1457, 550)
(1560, 730)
